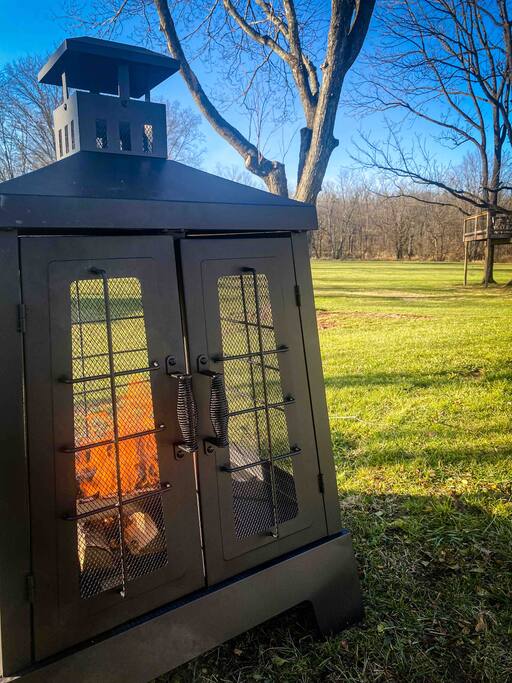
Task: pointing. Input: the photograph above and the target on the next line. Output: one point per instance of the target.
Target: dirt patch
(396, 293)
(328, 319)
(472, 372)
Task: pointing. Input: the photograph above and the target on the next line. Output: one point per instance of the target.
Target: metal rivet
(203, 359)
(210, 449)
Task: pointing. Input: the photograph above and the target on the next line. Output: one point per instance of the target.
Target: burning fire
(95, 468)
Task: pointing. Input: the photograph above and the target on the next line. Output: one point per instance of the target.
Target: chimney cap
(93, 64)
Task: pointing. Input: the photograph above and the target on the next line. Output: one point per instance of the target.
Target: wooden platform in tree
(488, 227)
(482, 226)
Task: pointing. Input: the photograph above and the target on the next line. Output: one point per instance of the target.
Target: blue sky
(32, 26)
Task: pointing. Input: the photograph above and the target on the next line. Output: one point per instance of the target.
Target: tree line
(357, 221)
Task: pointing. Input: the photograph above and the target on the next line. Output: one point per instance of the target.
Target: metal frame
(322, 574)
(122, 501)
(267, 405)
(309, 330)
(120, 190)
(15, 562)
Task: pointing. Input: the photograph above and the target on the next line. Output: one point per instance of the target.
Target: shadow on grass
(412, 380)
(436, 575)
(427, 455)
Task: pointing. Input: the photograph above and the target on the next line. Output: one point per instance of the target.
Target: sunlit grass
(418, 376)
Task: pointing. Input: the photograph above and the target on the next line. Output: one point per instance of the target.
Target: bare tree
(185, 140)
(342, 210)
(400, 223)
(448, 64)
(26, 118)
(272, 47)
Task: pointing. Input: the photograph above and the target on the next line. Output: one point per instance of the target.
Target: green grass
(418, 377)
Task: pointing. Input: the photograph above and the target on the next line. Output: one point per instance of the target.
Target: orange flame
(95, 468)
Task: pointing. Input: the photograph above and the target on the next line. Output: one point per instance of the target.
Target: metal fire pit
(167, 478)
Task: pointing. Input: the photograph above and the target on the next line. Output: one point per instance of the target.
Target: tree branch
(272, 172)
(345, 39)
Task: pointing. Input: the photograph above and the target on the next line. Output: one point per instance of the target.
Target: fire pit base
(323, 574)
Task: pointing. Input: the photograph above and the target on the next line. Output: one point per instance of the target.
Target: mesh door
(260, 454)
(119, 517)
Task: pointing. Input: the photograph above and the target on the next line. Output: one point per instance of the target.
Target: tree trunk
(489, 264)
(275, 180)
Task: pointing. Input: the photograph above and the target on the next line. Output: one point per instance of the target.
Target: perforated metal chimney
(104, 113)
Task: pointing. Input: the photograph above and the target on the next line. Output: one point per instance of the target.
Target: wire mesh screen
(120, 525)
(260, 455)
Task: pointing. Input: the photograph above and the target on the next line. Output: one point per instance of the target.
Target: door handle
(186, 412)
(213, 410)
(219, 410)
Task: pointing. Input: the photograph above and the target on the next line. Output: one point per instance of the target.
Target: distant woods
(356, 222)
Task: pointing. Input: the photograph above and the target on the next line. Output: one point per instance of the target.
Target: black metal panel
(101, 441)
(316, 381)
(242, 317)
(92, 64)
(15, 621)
(90, 175)
(37, 213)
(324, 575)
(89, 190)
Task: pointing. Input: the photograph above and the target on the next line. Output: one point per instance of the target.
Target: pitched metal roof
(114, 191)
(92, 64)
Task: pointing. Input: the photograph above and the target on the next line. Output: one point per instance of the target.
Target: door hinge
(22, 318)
(31, 587)
(321, 482)
(298, 299)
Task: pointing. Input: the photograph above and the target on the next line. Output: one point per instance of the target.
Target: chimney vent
(104, 113)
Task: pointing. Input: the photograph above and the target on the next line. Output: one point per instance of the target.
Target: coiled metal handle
(186, 412)
(219, 410)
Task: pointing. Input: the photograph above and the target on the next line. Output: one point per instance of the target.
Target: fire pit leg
(337, 603)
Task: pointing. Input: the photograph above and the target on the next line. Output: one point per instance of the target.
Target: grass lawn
(418, 375)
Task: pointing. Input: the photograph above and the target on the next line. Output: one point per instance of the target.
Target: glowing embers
(120, 525)
(261, 473)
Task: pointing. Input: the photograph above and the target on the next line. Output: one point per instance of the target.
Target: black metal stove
(167, 476)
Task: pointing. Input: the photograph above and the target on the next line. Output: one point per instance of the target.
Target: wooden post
(465, 264)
